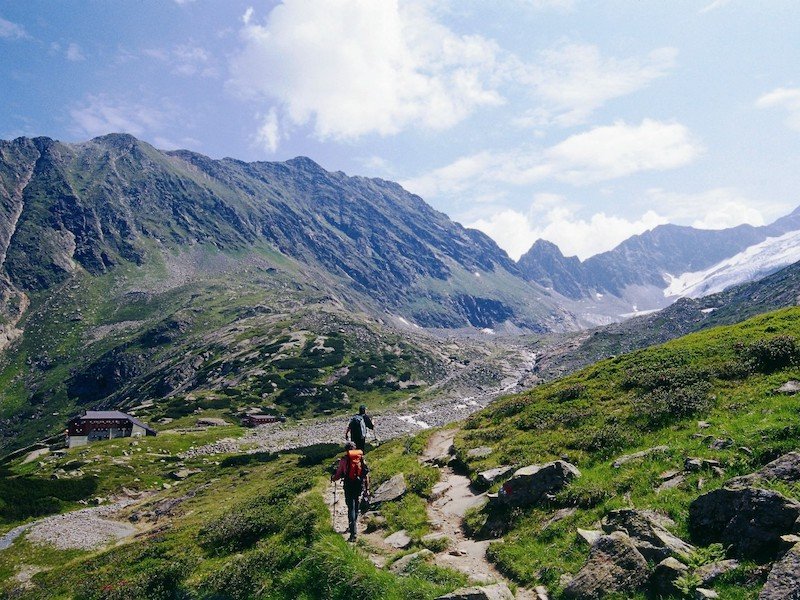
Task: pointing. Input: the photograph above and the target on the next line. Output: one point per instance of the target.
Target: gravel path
(84, 529)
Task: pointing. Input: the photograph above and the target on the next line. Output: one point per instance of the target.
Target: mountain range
(650, 270)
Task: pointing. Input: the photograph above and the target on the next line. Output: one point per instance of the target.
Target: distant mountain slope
(110, 200)
(687, 315)
(645, 262)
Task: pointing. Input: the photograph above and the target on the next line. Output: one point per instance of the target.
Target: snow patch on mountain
(752, 263)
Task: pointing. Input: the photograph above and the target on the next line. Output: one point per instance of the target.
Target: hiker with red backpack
(354, 473)
(357, 428)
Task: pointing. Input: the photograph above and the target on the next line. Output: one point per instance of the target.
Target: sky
(582, 122)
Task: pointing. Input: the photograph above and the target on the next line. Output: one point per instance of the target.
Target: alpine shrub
(662, 406)
(773, 354)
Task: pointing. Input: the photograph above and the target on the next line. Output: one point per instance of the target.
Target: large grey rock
(651, 539)
(498, 591)
(749, 520)
(480, 452)
(786, 469)
(783, 582)
(710, 572)
(664, 576)
(638, 455)
(399, 539)
(393, 489)
(487, 478)
(705, 594)
(530, 484)
(789, 388)
(401, 564)
(614, 565)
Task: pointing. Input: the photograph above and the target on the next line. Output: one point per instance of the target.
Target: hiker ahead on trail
(354, 473)
(357, 428)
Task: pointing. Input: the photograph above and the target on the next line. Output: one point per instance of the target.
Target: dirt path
(446, 514)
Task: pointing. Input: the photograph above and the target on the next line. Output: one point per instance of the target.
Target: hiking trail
(446, 514)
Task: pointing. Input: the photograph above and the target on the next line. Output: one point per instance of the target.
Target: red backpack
(354, 470)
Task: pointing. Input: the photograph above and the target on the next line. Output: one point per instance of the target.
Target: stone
(439, 490)
(670, 484)
(480, 452)
(703, 424)
(664, 576)
(487, 478)
(541, 593)
(401, 564)
(590, 535)
(614, 565)
(721, 444)
(651, 539)
(783, 582)
(434, 537)
(638, 455)
(184, 473)
(704, 594)
(393, 489)
(785, 469)
(789, 388)
(497, 591)
(749, 520)
(787, 542)
(710, 572)
(671, 474)
(399, 539)
(529, 485)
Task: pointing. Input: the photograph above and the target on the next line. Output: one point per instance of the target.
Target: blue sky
(583, 122)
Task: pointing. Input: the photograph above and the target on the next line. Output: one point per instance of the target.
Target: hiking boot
(352, 537)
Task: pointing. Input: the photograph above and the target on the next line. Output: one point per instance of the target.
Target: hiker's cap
(362, 409)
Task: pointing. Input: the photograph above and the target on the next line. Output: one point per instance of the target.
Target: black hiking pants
(360, 443)
(352, 497)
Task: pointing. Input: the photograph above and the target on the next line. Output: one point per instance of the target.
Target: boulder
(439, 489)
(638, 455)
(704, 594)
(590, 536)
(789, 388)
(399, 539)
(529, 485)
(749, 520)
(651, 539)
(664, 576)
(785, 469)
(394, 489)
(401, 564)
(699, 464)
(480, 452)
(614, 565)
(498, 591)
(710, 572)
(541, 593)
(487, 478)
(184, 473)
(783, 582)
(670, 483)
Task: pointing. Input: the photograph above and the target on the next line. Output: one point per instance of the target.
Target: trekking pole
(335, 486)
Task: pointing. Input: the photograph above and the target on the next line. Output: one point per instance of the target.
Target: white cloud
(74, 52)
(600, 154)
(516, 232)
(786, 98)
(268, 135)
(564, 5)
(12, 31)
(572, 81)
(100, 114)
(185, 59)
(248, 15)
(354, 67)
(620, 149)
(717, 208)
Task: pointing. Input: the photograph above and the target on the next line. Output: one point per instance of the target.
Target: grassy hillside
(725, 377)
(255, 526)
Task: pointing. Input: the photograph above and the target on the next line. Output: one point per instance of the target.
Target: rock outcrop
(531, 484)
(665, 575)
(783, 582)
(614, 565)
(651, 539)
(749, 520)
